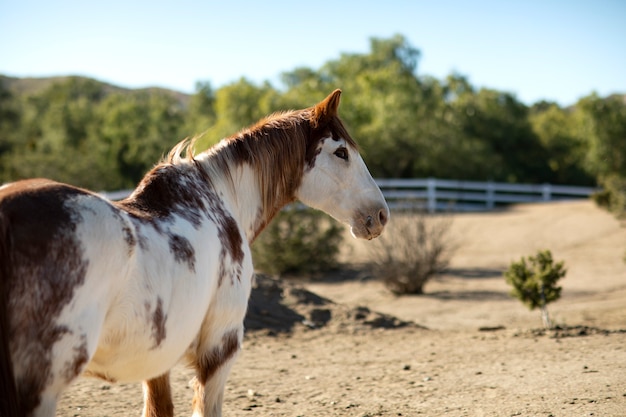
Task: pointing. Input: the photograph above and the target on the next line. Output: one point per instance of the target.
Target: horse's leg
(157, 397)
(212, 369)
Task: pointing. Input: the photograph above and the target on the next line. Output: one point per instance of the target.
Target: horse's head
(336, 179)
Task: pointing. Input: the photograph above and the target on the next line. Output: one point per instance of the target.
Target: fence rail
(435, 194)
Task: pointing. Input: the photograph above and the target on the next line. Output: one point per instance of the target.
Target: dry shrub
(414, 248)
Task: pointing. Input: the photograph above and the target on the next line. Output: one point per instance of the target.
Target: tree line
(94, 135)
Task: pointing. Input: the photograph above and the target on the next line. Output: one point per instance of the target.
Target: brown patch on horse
(157, 397)
(165, 191)
(183, 251)
(129, 237)
(127, 231)
(230, 238)
(81, 357)
(158, 323)
(210, 362)
(46, 264)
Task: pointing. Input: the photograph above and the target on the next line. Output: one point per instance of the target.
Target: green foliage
(99, 136)
(555, 129)
(10, 120)
(501, 124)
(201, 110)
(89, 134)
(534, 281)
(298, 241)
(601, 123)
(613, 195)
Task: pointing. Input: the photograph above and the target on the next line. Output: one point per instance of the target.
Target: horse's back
(45, 252)
(50, 229)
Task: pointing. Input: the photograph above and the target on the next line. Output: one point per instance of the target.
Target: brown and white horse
(123, 291)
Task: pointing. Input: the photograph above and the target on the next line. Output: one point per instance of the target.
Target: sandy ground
(437, 358)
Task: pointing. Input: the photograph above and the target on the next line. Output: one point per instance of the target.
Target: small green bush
(534, 282)
(298, 241)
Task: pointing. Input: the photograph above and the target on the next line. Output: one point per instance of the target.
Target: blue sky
(557, 50)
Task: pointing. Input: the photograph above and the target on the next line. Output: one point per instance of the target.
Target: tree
(601, 123)
(200, 114)
(303, 87)
(55, 127)
(501, 122)
(556, 132)
(534, 282)
(10, 121)
(238, 105)
(136, 130)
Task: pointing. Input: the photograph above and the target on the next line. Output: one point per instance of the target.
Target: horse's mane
(278, 148)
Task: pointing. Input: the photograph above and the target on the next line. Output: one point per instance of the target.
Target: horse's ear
(326, 109)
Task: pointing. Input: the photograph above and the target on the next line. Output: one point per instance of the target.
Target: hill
(30, 86)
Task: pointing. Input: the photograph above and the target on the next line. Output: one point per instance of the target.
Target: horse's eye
(342, 153)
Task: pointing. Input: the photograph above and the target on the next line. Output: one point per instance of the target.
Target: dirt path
(349, 368)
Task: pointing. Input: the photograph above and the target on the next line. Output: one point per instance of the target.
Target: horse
(124, 290)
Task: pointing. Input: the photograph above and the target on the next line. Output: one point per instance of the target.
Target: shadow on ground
(468, 295)
(474, 273)
(277, 306)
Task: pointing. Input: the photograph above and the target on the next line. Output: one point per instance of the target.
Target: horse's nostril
(382, 216)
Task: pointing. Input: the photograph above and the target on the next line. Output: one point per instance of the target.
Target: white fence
(435, 194)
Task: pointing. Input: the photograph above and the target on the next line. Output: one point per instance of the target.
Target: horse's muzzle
(369, 224)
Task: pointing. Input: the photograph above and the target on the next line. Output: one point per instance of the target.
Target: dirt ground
(348, 347)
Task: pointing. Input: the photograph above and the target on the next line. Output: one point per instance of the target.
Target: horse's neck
(258, 172)
(246, 202)
(240, 191)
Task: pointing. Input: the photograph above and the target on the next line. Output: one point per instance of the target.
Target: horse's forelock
(339, 131)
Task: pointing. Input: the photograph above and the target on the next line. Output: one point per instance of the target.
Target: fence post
(431, 194)
(490, 195)
(546, 192)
